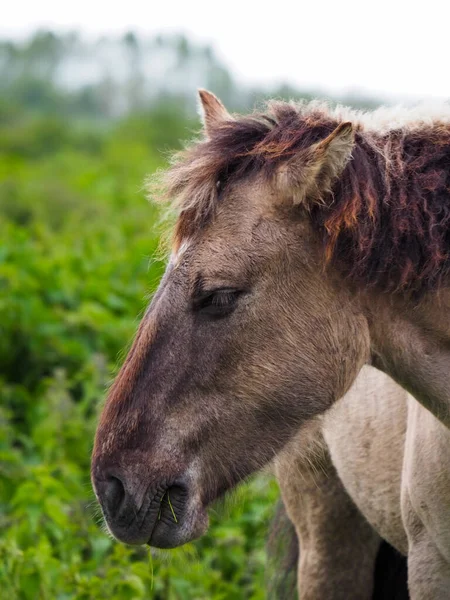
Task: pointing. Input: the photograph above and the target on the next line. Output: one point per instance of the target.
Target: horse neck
(411, 343)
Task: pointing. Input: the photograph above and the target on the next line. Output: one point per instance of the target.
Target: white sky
(386, 47)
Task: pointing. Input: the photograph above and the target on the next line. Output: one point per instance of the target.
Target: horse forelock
(387, 219)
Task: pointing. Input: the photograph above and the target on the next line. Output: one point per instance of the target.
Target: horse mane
(386, 221)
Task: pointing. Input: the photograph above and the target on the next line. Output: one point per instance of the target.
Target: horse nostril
(114, 494)
(174, 500)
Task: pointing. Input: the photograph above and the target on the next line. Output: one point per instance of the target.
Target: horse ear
(309, 175)
(212, 111)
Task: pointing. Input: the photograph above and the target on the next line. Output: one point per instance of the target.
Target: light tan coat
(375, 465)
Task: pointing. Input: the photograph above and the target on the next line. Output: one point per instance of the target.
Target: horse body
(306, 247)
(376, 457)
(350, 479)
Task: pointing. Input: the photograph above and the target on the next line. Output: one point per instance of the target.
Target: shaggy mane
(386, 222)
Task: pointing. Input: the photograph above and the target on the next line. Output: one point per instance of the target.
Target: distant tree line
(67, 75)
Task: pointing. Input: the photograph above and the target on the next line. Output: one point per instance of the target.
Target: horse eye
(218, 303)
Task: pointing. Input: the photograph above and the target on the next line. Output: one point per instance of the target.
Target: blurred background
(92, 100)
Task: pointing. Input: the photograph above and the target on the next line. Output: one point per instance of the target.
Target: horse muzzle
(164, 514)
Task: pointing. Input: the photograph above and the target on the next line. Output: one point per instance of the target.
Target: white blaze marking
(175, 257)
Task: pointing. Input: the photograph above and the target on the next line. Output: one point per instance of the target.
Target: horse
(309, 242)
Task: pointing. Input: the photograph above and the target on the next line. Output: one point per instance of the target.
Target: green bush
(78, 259)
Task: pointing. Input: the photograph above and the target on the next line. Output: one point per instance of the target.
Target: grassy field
(78, 260)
